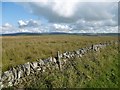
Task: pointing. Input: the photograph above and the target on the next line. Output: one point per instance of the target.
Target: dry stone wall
(14, 74)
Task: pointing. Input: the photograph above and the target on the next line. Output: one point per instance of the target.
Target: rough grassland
(20, 49)
(94, 70)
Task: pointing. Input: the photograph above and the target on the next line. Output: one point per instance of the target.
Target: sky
(69, 16)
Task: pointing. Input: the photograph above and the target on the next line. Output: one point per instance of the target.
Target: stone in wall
(81, 51)
(14, 71)
(77, 52)
(41, 63)
(26, 68)
(20, 72)
(65, 55)
(55, 63)
(7, 78)
(33, 66)
(54, 60)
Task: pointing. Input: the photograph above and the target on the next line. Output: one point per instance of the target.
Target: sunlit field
(94, 70)
(21, 49)
(97, 69)
(66, 44)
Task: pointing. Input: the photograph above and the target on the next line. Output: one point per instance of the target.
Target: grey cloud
(80, 27)
(79, 16)
(91, 11)
(8, 28)
(96, 11)
(47, 13)
(87, 25)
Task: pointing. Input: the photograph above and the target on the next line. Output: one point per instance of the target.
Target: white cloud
(70, 11)
(59, 26)
(22, 23)
(69, 16)
(8, 28)
(32, 30)
(81, 26)
(7, 25)
(30, 23)
(101, 23)
(103, 26)
(30, 26)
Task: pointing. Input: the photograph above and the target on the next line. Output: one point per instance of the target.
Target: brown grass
(20, 49)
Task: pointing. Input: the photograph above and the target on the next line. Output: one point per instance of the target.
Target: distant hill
(60, 33)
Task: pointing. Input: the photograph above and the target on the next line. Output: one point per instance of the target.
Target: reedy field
(102, 70)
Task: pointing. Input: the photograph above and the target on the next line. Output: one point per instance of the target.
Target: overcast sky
(71, 16)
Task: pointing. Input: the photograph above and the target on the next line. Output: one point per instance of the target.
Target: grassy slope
(97, 70)
(20, 49)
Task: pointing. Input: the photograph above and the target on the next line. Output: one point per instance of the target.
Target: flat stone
(34, 65)
(41, 62)
(77, 52)
(54, 60)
